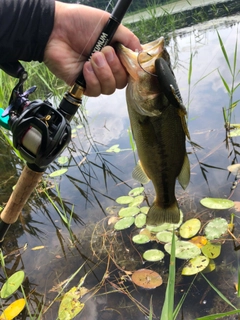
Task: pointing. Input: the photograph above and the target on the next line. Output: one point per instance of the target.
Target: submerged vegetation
(107, 269)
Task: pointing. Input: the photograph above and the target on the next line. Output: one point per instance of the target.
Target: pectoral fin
(139, 175)
(184, 176)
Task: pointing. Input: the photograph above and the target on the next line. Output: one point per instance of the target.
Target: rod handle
(22, 191)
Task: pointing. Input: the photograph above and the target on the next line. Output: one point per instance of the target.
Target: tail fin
(157, 215)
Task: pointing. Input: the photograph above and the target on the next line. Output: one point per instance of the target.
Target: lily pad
(124, 200)
(147, 279)
(153, 255)
(216, 228)
(136, 201)
(217, 203)
(115, 148)
(136, 191)
(62, 160)
(199, 241)
(195, 265)
(13, 309)
(113, 209)
(124, 223)
(190, 228)
(184, 249)
(128, 212)
(165, 236)
(156, 229)
(211, 250)
(58, 173)
(211, 266)
(140, 239)
(140, 220)
(12, 284)
(144, 209)
(70, 305)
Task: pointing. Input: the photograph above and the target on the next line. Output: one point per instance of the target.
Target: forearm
(25, 27)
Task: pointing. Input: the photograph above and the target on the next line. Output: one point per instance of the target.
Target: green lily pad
(153, 255)
(124, 223)
(211, 266)
(140, 239)
(115, 148)
(216, 228)
(136, 191)
(136, 201)
(144, 209)
(234, 132)
(217, 203)
(128, 212)
(124, 200)
(195, 265)
(58, 173)
(211, 250)
(140, 220)
(12, 284)
(62, 160)
(190, 228)
(156, 229)
(165, 236)
(184, 250)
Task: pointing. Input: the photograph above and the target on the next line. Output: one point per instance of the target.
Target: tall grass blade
(225, 84)
(219, 293)
(224, 52)
(190, 70)
(219, 315)
(167, 311)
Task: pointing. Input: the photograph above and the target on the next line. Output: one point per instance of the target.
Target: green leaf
(12, 284)
(190, 228)
(70, 305)
(195, 265)
(165, 236)
(115, 148)
(140, 220)
(184, 250)
(136, 201)
(216, 228)
(234, 133)
(128, 212)
(211, 250)
(136, 191)
(124, 200)
(217, 203)
(62, 160)
(219, 315)
(153, 255)
(144, 209)
(124, 223)
(58, 173)
(140, 239)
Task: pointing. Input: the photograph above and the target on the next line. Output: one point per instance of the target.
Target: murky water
(95, 178)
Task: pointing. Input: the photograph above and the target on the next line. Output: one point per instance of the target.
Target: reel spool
(40, 133)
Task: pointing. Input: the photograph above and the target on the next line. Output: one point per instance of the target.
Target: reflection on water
(95, 178)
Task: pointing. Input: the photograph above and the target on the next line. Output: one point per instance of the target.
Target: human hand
(76, 29)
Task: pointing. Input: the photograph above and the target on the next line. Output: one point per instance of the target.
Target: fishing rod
(41, 132)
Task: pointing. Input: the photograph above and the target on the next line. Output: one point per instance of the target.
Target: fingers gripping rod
(33, 142)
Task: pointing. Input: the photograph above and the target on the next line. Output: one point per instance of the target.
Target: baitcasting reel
(40, 132)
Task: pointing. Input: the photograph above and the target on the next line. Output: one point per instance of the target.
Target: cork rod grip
(23, 189)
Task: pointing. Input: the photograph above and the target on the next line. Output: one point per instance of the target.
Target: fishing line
(139, 63)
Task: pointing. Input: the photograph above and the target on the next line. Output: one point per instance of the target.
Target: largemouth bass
(158, 124)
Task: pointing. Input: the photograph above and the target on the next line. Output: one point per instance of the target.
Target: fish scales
(158, 131)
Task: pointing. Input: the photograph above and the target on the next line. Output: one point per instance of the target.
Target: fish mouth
(134, 61)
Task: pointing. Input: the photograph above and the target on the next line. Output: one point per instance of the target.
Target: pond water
(95, 178)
